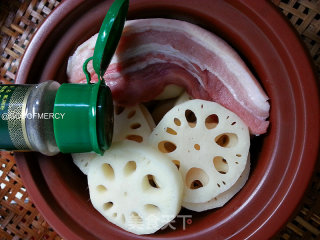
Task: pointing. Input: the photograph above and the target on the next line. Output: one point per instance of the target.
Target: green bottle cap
(87, 118)
(87, 109)
(109, 35)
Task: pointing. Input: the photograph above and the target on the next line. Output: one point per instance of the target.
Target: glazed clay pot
(283, 159)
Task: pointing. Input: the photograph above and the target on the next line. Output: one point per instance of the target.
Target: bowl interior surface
(282, 161)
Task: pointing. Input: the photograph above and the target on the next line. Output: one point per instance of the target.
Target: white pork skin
(154, 53)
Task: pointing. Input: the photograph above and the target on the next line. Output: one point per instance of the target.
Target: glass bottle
(50, 118)
(26, 113)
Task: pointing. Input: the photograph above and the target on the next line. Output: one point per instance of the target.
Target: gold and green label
(13, 104)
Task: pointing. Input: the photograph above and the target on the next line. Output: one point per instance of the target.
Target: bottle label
(13, 102)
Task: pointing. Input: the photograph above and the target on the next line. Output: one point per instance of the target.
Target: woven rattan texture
(305, 17)
(19, 218)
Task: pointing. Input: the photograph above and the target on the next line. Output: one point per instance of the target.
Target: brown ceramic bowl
(283, 159)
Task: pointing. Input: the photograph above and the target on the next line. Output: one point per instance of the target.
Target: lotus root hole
(197, 147)
(101, 188)
(107, 205)
(177, 163)
(119, 110)
(108, 171)
(227, 140)
(131, 114)
(177, 121)
(135, 218)
(129, 168)
(149, 182)
(171, 131)
(123, 218)
(238, 155)
(166, 147)
(151, 209)
(233, 123)
(191, 118)
(115, 215)
(196, 178)
(220, 164)
(135, 126)
(196, 184)
(135, 138)
(152, 181)
(212, 121)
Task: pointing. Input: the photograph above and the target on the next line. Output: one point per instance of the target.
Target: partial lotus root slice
(183, 98)
(164, 106)
(131, 123)
(148, 117)
(208, 143)
(170, 91)
(135, 187)
(83, 160)
(222, 198)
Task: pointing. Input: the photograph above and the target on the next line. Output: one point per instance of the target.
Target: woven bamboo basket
(20, 219)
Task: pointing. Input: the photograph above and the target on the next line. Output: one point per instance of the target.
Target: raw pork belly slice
(153, 53)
